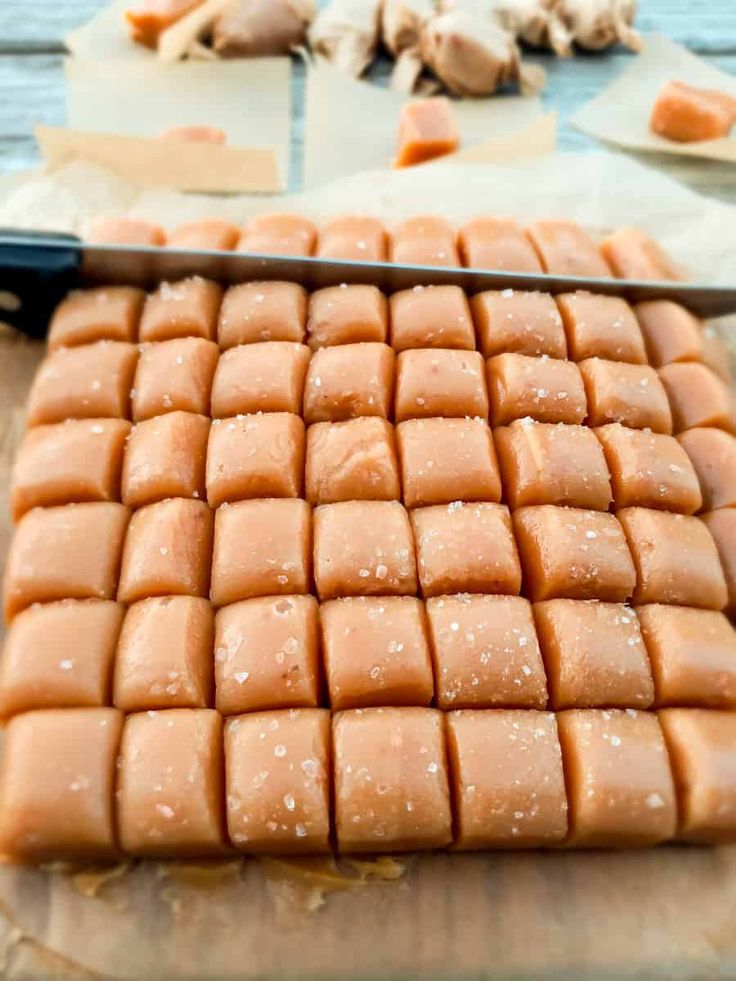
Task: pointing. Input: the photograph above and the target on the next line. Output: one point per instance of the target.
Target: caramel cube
(255, 456)
(601, 327)
(497, 243)
(352, 461)
(68, 463)
(440, 382)
(211, 235)
(423, 241)
(631, 394)
(350, 380)
(466, 548)
(507, 781)
(552, 464)
(391, 787)
(594, 655)
(69, 552)
(268, 311)
(59, 655)
(649, 470)
(165, 457)
(170, 792)
(279, 234)
(164, 657)
(632, 254)
(574, 554)
(262, 377)
(566, 250)
(56, 785)
(671, 333)
(688, 114)
(713, 455)
(277, 772)
(188, 308)
(427, 129)
(445, 460)
(363, 548)
(127, 231)
(167, 551)
(266, 654)
(174, 376)
(517, 322)
(485, 652)
(353, 238)
(693, 655)
(722, 526)
(431, 316)
(676, 559)
(346, 315)
(87, 382)
(261, 548)
(543, 389)
(701, 747)
(698, 397)
(108, 313)
(376, 651)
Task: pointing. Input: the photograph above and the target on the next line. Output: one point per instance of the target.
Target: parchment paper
(620, 113)
(351, 125)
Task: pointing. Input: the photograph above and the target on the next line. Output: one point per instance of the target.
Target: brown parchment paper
(351, 125)
(620, 113)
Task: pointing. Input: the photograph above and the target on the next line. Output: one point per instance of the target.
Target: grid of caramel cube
(371, 572)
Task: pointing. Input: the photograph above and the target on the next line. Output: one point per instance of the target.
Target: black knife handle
(35, 276)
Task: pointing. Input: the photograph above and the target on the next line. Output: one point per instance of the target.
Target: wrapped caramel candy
(345, 33)
(255, 28)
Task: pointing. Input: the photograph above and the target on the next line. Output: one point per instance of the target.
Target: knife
(37, 270)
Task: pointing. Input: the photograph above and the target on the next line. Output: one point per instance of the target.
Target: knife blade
(37, 270)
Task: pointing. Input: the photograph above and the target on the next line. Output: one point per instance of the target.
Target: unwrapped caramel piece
(485, 652)
(267, 654)
(69, 552)
(391, 787)
(507, 781)
(351, 461)
(424, 241)
(465, 548)
(693, 655)
(433, 316)
(594, 654)
(601, 327)
(357, 238)
(262, 377)
(632, 254)
(552, 464)
(427, 129)
(519, 322)
(59, 655)
(671, 333)
(174, 376)
(127, 231)
(542, 389)
(350, 380)
(445, 460)
(631, 394)
(701, 744)
(722, 526)
(688, 114)
(649, 470)
(209, 234)
(86, 382)
(108, 313)
(277, 772)
(69, 462)
(376, 651)
(279, 234)
(497, 243)
(440, 382)
(713, 455)
(566, 250)
(188, 308)
(170, 784)
(167, 551)
(346, 315)
(56, 785)
(268, 311)
(164, 657)
(698, 397)
(619, 782)
(363, 548)
(259, 455)
(572, 553)
(165, 457)
(676, 559)
(261, 548)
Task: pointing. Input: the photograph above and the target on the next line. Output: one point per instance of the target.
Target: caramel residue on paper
(205, 876)
(90, 882)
